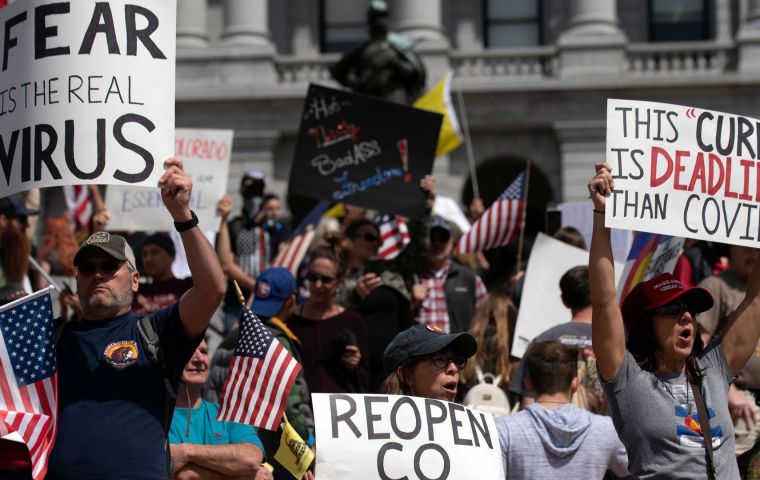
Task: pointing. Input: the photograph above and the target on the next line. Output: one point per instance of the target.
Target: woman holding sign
(667, 391)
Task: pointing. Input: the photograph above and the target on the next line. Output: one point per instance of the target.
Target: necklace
(667, 389)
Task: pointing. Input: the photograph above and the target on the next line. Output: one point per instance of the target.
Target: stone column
(420, 20)
(191, 24)
(581, 141)
(246, 22)
(592, 43)
(748, 40)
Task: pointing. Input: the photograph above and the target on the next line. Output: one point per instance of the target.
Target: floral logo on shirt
(121, 354)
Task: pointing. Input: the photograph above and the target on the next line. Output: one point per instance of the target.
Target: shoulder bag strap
(704, 425)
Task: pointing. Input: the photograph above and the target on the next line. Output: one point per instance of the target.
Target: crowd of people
(660, 386)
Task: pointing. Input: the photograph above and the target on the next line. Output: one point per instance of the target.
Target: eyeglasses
(109, 267)
(441, 360)
(315, 277)
(673, 309)
(370, 237)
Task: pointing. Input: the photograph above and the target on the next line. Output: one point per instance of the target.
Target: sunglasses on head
(442, 360)
(108, 267)
(315, 277)
(673, 309)
(370, 237)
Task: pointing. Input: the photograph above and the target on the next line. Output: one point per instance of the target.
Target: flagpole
(522, 222)
(241, 297)
(468, 144)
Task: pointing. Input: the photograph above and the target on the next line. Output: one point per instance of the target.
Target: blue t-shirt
(205, 429)
(112, 399)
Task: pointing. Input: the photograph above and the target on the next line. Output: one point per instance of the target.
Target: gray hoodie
(567, 441)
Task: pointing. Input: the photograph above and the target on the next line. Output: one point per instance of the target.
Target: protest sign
(363, 151)
(650, 255)
(580, 215)
(449, 209)
(684, 172)
(540, 305)
(86, 92)
(392, 436)
(206, 157)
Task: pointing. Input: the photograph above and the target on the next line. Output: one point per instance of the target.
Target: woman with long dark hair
(658, 378)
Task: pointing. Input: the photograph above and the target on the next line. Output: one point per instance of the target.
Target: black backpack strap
(704, 425)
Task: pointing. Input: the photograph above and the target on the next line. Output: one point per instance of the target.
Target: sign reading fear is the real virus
(684, 171)
(363, 151)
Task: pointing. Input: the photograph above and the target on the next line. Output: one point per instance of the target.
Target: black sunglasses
(108, 267)
(673, 309)
(370, 237)
(315, 277)
(441, 360)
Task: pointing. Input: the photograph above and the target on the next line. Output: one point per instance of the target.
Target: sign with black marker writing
(86, 92)
(393, 436)
(364, 151)
(684, 171)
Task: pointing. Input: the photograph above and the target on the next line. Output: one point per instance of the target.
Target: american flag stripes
(29, 383)
(500, 223)
(79, 204)
(292, 252)
(261, 374)
(394, 235)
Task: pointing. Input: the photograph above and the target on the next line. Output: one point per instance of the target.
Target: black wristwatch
(184, 226)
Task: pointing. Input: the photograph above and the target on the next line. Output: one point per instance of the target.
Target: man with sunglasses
(114, 401)
(728, 290)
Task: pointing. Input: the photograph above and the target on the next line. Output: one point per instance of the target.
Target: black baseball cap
(114, 245)
(15, 206)
(422, 340)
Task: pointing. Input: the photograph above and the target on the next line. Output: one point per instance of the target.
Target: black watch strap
(184, 226)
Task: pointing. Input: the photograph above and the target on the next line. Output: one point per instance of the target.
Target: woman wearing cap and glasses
(655, 378)
(425, 362)
(333, 339)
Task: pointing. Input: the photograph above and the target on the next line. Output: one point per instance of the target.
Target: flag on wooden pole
(438, 100)
(260, 376)
(29, 383)
(499, 224)
(293, 251)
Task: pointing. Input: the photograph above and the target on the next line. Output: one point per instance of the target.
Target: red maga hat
(659, 291)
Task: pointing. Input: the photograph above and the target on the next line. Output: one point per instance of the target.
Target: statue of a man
(384, 66)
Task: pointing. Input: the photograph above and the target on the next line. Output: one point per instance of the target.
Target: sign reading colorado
(364, 151)
(684, 171)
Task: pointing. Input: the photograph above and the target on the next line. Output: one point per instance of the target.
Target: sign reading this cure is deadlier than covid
(86, 92)
(684, 171)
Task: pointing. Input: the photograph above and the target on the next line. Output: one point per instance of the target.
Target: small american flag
(292, 252)
(79, 204)
(260, 376)
(394, 235)
(500, 223)
(29, 382)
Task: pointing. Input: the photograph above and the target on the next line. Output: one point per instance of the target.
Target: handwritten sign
(86, 92)
(206, 157)
(392, 436)
(684, 171)
(363, 151)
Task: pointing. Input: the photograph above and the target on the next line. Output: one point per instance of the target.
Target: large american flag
(500, 223)
(293, 251)
(259, 379)
(29, 382)
(394, 235)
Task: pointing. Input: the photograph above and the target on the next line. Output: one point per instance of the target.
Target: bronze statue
(384, 66)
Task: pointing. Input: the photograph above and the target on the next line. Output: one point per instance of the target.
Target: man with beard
(14, 242)
(115, 401)
(447, 293)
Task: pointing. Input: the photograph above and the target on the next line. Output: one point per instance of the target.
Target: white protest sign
(206, 157)
(86, 92)
(391, 436)
(684, 172)
(541, 305)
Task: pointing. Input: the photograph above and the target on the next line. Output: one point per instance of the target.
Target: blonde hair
(492, 327)
(335, 248)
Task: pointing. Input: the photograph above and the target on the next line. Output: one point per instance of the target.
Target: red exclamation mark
(402, 149)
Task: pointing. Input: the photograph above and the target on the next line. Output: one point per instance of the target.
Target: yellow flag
(294, 454)
(438, 100)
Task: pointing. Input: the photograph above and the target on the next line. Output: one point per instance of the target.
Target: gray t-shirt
(657, 420)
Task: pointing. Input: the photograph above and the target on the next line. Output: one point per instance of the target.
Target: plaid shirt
(433, 310)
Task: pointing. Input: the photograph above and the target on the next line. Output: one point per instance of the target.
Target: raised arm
(607, 332)
(198, 304)
(743, 326)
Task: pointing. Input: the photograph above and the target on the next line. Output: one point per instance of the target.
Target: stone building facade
(534, 74)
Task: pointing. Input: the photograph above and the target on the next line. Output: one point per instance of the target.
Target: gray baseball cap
(114, 245)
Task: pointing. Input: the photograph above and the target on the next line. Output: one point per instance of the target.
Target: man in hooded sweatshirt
(553, 437)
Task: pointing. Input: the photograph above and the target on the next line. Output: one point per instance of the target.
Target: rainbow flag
(650, 255)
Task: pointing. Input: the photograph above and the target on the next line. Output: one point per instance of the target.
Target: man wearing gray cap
(113, 394)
